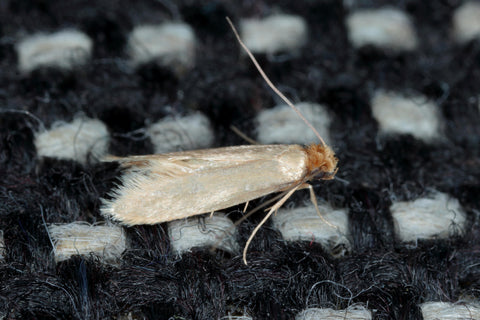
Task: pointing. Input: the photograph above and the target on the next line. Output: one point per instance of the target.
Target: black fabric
(282, 279)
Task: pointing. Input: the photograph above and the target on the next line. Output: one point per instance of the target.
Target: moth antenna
(254, 232)
(270, 84)
(273, 209)
(245, 217)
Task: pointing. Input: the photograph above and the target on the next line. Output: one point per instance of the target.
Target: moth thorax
(321, 159)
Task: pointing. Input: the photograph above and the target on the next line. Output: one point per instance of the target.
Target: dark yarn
(390, 278)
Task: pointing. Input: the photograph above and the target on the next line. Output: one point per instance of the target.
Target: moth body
(165, 187)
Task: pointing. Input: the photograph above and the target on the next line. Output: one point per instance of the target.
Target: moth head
(321, 161)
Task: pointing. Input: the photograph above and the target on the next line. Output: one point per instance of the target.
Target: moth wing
(225, 155)
(166, 187)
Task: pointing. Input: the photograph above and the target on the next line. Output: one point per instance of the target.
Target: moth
(164, 187)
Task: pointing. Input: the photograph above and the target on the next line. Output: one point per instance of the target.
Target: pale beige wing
(226, 154)
(166, 187)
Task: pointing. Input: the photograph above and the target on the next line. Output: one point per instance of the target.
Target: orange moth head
(321, 161)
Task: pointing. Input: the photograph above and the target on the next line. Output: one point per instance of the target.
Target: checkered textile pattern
(392, 86)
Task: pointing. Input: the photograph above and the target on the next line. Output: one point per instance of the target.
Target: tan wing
(165, 187)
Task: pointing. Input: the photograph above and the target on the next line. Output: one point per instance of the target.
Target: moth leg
(313, 199)
(243, 135)
(246, 206)
(211, 214)
(249, 214)
(299, 187)
(273, 209)
(260, 207)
